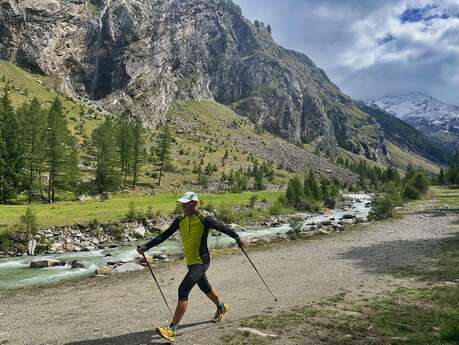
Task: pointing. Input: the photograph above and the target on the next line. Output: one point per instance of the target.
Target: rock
(347, 221)
(140, 260)
(69, 247)
(130, 266)
(305, 228)
(337, 226)
(326, 223)
(48, 6)
(348, 216)
(256, 332)
(105, 270)
(77, 264)
(361, 220)
(330, 203)
(139, 231)
(46, 263)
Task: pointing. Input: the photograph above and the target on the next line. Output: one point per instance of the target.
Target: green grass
(446, 196)
(67, 213)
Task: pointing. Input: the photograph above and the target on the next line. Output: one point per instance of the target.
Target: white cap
(187, 197)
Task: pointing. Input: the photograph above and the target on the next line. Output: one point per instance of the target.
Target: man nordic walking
(194, 229)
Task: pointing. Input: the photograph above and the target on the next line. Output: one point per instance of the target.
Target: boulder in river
(105, 270)
(348, 216)
(77, 264)
(330, 203)
(46, 263)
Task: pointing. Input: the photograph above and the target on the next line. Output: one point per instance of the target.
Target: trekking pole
(259, 275)
(151, 271)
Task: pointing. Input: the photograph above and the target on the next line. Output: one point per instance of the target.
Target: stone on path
(256, 332)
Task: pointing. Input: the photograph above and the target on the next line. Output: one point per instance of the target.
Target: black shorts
(196, 275)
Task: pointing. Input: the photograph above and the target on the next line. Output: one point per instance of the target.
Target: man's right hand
(141, 250)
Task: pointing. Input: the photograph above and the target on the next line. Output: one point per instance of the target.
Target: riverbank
(74, 254)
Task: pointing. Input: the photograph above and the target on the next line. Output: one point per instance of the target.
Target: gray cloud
(366, 48)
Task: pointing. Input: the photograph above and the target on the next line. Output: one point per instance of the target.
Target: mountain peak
(426, 113)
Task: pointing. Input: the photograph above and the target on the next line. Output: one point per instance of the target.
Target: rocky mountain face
(142, 56)
(435, 119)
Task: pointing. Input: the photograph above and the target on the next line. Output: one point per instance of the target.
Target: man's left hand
(242, 244)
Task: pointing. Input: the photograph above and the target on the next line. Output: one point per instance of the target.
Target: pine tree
(107, 158)
(11, 149)
(313, 186)
(71, 176)
(441, 177)
(410, 171)
(453, 169)
(59, 145)
(138, 150)
(163, 152)
(125, 146)
(33, 120)
(294, 193)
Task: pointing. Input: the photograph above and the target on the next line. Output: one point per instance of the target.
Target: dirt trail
(126, 310)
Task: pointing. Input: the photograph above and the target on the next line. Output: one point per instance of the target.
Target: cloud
(374, 47)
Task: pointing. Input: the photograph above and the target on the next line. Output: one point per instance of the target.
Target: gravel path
(125, 311)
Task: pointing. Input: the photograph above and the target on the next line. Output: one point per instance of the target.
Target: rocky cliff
(143, 55)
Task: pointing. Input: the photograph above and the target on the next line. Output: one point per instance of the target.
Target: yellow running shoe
(220, 313)
(166, 333)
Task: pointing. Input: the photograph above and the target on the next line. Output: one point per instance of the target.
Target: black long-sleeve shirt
(194, 230)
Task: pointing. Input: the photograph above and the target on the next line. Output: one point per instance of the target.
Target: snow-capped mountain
(427, 114)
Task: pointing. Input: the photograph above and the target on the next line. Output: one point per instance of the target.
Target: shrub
(149, 213)
(225, 214)
(295, 225)
(252, 201)
(117, 231)
(131, 215)
(209, 206)
(94, 223)
(411, 193)
(276, 209)
(28, 222)
(383, 207)
(5, 240)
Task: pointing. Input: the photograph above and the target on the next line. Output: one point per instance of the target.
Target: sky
(372, 48)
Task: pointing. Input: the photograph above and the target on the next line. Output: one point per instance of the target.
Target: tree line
(450, 176)
(39, 155)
